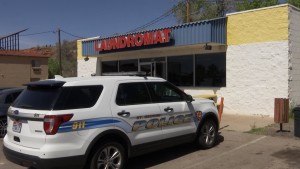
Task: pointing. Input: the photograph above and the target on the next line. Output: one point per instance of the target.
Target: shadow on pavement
(290, 156)
(162, 156)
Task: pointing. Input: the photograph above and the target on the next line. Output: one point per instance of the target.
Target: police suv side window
(78, 97)
(165, 92)
(132, 93)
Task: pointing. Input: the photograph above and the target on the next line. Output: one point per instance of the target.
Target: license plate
(17, 127)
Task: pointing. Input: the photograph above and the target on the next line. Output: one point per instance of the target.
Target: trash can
(281, 110)
(296, 112)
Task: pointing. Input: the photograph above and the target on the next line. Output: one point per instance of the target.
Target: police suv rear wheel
(208, 134)
(109, 155)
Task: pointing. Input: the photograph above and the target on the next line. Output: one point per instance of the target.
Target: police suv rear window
(58, 98)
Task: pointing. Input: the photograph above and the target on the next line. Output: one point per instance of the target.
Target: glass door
(148, 68)
(160, 69)
(155, 69)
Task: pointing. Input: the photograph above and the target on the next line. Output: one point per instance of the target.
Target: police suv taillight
(52, 122)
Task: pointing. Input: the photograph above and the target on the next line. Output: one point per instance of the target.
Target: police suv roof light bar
(125, 74)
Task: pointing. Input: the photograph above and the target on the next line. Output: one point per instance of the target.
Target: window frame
(169, 85)
(182, 56)
(135, 61)
(126, 104)
(72, 108)
(218, 55)
(104, 62)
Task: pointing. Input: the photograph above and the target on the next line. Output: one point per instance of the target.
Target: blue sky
(84, 18)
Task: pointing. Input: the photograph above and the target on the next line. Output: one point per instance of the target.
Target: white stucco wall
(294, 55)
(86, 68)
(256, 74)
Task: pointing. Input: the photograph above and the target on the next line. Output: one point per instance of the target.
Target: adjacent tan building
(19, 67)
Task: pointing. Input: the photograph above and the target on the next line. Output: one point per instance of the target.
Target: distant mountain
(45, 50)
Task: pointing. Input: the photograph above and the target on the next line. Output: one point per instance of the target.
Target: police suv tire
(3, 127)
(207, 134)
(108, 154)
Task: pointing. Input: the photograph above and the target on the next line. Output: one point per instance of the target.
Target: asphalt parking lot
(234, 150)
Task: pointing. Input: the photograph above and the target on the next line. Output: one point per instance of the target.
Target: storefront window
(111, 66)
(210, 70)
(180, 70)
(128, 65)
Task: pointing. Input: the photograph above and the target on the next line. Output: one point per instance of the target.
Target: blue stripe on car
(93, 123)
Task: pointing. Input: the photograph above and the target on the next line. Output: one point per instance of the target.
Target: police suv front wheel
(109, 155)
(207, 135)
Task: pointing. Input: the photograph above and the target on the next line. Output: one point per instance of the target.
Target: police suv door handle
(124, 113)
(168, 109)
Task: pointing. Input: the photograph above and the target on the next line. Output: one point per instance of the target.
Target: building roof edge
(22, 53)
(168, 27)
(259, 9)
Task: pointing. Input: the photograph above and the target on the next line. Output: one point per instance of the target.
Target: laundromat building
(249, 58)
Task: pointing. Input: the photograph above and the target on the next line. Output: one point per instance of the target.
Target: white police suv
(100, 122)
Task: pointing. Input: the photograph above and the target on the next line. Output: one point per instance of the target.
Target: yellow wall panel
(262, 25)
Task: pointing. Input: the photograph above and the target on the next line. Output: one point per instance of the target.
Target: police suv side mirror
(189, 98)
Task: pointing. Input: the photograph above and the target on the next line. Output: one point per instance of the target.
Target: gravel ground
(274, 130)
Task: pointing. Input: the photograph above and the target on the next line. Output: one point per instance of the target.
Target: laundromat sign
(135, 40)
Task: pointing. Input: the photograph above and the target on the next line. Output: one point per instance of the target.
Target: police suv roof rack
(141, 73)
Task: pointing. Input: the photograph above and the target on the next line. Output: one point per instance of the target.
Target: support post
(59, 52)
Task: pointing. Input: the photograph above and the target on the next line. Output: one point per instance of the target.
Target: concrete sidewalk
(243, 123)
(257, 124)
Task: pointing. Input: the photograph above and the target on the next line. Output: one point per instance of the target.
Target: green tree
(53, 67)
(253, 4)
(296, 3)
(68, 58)
(200, 10)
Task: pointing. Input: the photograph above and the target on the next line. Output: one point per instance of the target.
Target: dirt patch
(274, 130)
